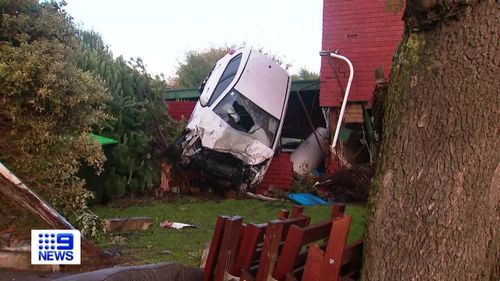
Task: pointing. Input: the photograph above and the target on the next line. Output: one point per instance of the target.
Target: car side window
(226, 78)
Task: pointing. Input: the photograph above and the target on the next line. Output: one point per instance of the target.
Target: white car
(236, 125)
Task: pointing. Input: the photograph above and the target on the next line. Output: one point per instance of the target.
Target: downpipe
(346, 94)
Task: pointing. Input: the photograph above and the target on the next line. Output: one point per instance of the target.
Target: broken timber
(16, 191)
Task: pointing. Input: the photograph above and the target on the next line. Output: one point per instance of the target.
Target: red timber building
(368, 35)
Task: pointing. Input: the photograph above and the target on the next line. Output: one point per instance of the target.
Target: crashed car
(236, 125)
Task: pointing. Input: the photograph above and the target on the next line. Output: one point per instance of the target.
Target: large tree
(434, 212)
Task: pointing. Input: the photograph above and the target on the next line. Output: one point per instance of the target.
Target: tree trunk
(434, 210)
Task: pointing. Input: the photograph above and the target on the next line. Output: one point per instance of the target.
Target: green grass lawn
(185, 245)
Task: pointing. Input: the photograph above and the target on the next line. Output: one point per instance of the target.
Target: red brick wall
(180, 109)
(367, 35)
(279, 174)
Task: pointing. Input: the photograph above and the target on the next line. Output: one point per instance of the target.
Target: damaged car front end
(234, 129)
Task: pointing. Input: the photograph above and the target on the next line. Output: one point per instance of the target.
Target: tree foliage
(197, 65)
(305, 74)
(48, 105)
(140, 121)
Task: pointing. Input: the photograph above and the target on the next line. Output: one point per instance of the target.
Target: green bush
(48, 106)
(140, 122)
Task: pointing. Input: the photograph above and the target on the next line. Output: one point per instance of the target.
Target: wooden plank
(296, 238)
(228, 247)
(253, 235)
(283, 214)
(272, 240)
(127, 224)
(313, 263)
(338, 210)
(300, 260)
(292, 246)
(353, 113)
(269, 249)
(332, 261)
(301, 221)
(316, 232)
(297, 211)
(249, 249)
(240, 239)
(208, 270)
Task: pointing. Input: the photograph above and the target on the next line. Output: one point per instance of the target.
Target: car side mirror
(202, 86)
(203, 98)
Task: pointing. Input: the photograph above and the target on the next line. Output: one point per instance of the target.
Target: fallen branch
(17, 192)
(261, 197)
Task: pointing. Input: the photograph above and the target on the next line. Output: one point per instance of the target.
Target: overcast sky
(160, 32)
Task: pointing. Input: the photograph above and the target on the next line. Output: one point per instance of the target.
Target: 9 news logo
(55, 247)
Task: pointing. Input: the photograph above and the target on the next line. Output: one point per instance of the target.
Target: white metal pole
(346, 95)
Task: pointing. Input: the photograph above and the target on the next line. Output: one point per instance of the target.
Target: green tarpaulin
(103, 140)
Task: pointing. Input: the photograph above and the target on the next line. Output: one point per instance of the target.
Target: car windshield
(245, 116)
(226, 78)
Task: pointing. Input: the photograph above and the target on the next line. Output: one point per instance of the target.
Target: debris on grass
(175, 225)
(166, 252)
(127, 224)
(306, 199)
(261, 197)
(195, 255)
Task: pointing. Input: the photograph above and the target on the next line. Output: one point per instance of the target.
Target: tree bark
(434, 210)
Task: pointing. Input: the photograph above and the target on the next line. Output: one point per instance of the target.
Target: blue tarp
(306, 199)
